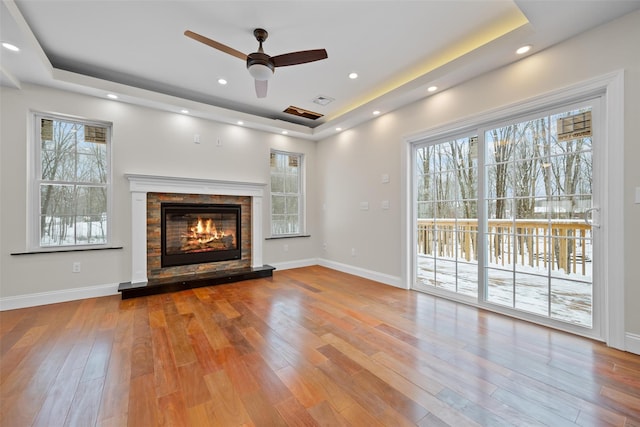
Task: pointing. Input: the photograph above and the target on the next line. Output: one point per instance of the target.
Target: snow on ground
(525, 289)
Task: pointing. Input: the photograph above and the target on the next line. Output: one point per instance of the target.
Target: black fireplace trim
(175, 260)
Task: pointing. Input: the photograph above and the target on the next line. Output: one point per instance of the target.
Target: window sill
(76, 249)
(288, 236)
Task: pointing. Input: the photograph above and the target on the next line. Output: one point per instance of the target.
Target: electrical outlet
(75, 267)
(353, 251)
(286, 248)
(324, 246)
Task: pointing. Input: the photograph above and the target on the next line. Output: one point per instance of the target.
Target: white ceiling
(137, 50)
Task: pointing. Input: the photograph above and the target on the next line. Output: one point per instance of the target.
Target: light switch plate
(637, 194)
(364, 206)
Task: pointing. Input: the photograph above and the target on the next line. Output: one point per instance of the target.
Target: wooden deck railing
(565, 244)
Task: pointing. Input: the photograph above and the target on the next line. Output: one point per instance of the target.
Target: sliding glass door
(539, 249)
(504, 216)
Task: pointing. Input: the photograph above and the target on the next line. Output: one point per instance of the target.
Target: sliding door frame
(610, 88)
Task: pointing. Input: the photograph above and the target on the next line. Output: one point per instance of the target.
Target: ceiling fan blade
(261, 88)
(216, 45)
(300, 57)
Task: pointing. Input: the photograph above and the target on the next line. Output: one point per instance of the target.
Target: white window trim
(302, 203)
(611, 88)
(33, 192)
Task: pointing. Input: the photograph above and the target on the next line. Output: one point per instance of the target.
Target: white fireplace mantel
(140, 185)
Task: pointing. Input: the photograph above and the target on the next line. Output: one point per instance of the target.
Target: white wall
(145, 141)
(359, 156)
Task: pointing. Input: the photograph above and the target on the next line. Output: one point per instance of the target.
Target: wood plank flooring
(307, 347)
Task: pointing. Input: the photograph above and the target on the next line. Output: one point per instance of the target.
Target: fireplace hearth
(199, 233)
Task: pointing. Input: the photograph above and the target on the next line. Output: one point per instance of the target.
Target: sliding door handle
(588, 220)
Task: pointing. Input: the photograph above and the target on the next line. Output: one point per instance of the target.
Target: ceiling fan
(260, 65)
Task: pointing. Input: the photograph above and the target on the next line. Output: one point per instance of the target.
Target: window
(286, 194)
(71, 182)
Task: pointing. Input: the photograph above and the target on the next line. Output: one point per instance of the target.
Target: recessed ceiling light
(222, 81)
(338, 129)
(432, 88)
(10, 47)
(375, 113)
(284, 132)
(240, 122)
(184, 111)
(523, 49)
(353, 76)
(112, 96)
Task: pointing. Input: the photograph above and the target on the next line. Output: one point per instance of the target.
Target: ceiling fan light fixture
(260, 71)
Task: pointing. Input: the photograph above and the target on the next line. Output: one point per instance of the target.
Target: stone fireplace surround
(141, 185)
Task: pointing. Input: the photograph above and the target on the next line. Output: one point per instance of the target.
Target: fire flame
(205, 231)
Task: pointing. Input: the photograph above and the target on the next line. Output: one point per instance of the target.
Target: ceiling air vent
(323, 100)
(301, 112)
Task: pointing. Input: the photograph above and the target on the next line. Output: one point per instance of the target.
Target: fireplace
(149, 193)
(199, 233)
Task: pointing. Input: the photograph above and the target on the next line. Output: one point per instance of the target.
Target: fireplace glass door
(199, 233)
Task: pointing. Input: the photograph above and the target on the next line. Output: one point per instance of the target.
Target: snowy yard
(561, 296)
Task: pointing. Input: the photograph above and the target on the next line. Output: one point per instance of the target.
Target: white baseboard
(632, 343)
(287, 265)
(387, 279)
(345, 268)
(43, 298)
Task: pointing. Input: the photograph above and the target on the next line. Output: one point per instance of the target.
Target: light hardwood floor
(309, 346)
